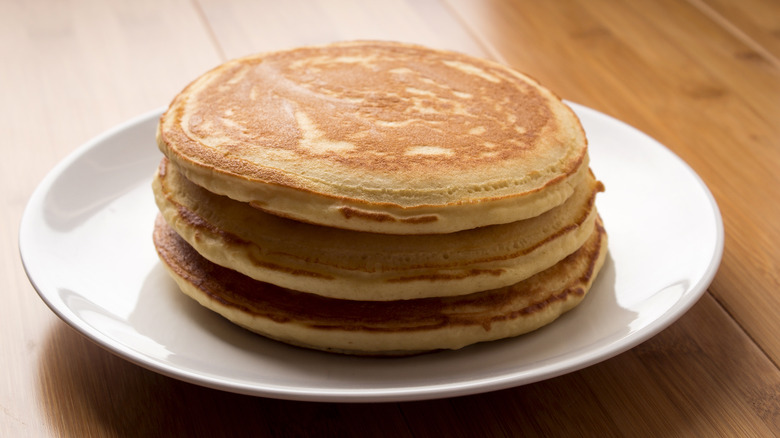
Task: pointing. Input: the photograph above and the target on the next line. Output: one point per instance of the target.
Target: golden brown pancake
(369, 266)
(388, 327)
(377, 136)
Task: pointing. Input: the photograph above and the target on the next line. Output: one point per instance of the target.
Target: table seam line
(734, 30)
(209, 29)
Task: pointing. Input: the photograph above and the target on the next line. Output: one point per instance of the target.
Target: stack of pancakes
(376, 198)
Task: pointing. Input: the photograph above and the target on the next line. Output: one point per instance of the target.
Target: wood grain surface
(700, 76)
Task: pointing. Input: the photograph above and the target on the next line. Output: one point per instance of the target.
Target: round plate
(85, 241)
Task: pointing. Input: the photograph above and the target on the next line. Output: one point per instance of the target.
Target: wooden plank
(100, 63)
(71, 70)
(243, 27)
(700, 377)
(755, 22)
(677, 75)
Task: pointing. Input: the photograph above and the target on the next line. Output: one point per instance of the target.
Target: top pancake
(377, 136)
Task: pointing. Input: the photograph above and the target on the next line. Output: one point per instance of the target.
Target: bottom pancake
(382, 327)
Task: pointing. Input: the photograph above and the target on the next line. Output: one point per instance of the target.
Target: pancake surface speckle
(377, 136)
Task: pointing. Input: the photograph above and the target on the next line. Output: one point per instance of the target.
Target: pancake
(370, 266)
(386, 327)
(377, 136)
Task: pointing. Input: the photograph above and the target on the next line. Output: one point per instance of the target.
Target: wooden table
(700, 76)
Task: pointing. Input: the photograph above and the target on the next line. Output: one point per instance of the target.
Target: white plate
(85, 240)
